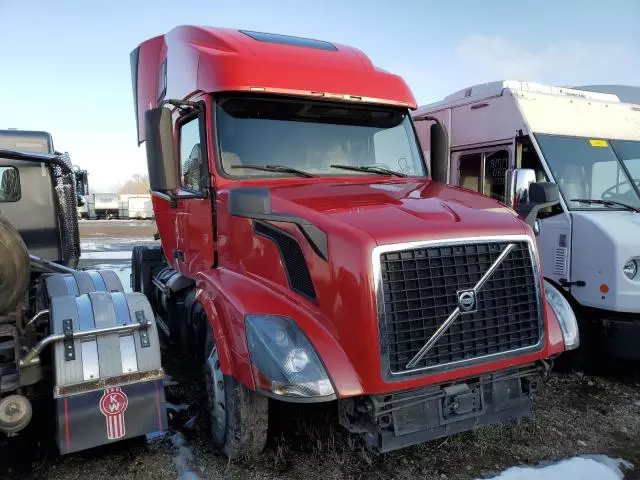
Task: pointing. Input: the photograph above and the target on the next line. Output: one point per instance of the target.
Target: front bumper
(401, 419)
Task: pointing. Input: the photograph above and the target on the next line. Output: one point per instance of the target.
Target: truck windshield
(282, 137)
(594, 174)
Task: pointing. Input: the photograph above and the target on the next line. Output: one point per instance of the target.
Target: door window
(530, 159)
(470, 167)
(9, 184)
(191, 158)
(495, 169)
(484, 172)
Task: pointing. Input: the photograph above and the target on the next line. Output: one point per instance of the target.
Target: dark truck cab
(73, 343)
(307, 256)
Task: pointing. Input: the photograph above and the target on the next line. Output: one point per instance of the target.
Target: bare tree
(138, 184)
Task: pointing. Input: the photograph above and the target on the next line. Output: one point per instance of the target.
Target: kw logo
(113, 404)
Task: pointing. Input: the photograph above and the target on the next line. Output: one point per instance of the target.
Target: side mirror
(528, 197)
(439, 153)
(518, 182)
(82, 187)
(163, 173)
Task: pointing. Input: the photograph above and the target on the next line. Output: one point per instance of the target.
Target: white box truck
(106, 205)
(499, 137)
(140, 207)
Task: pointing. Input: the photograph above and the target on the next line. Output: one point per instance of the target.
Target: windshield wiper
(608, 203)
(371, 169)
(276, 168)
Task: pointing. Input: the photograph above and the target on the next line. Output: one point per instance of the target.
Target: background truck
(135, 206)
(306, 256)
(589, 144)
(67, 336)
(106, 206)
(42, 142)
(140, 207)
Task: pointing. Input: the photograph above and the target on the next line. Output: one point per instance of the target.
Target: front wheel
(238, 416)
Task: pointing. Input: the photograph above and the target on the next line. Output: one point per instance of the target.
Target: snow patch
(108, 255)
(106, 241)
(592, 467)
(182, 459)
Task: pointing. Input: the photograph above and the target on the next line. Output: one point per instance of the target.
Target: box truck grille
(421, 288)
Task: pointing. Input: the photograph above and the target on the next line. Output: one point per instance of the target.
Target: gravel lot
(573, 415)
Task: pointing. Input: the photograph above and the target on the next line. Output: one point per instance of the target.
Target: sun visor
(148, 78)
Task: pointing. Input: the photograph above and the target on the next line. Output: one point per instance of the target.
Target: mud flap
(107, 369)
(95, 418)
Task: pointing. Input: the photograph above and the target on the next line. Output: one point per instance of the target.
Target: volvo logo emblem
(467, 301)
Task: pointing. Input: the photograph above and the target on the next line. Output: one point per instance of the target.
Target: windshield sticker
(598, 143)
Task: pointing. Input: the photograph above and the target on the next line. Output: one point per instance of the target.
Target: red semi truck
(306, 255)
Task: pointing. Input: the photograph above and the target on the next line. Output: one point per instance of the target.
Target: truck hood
(621, 228)
(326, 280)
(602, 242)
(397, 211)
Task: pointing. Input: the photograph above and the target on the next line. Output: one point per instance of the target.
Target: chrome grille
(419, 289)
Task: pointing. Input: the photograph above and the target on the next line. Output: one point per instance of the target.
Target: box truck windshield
(594, 174)
(267, 137)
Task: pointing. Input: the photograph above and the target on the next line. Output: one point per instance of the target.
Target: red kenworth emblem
(112, 405)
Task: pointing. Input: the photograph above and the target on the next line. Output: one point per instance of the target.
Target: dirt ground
(573, 415)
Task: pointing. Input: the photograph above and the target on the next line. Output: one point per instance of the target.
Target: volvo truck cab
(307, 256)
(503, 137)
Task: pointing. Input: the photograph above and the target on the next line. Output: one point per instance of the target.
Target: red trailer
(307, 256)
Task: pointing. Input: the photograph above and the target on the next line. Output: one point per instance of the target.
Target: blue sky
(65, 63)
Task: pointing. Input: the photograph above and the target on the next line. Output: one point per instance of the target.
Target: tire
(583, 358)
(242, 431)
(15, 267)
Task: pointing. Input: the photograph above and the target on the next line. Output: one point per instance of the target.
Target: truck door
(195, 243)
(554, 239)
(482, 170)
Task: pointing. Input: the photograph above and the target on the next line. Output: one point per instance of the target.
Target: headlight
(284, 362)
(630, 269)
(564, 314)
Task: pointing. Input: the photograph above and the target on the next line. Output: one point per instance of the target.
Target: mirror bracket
(530, 211)
(190, 195)
(185, 106)
(167, 197)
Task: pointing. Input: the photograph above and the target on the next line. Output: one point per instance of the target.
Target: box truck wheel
(586, 356)
(238, 416)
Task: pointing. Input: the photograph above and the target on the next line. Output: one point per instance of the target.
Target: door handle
(178, 255)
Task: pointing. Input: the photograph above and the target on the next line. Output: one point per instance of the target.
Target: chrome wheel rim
(215, 392)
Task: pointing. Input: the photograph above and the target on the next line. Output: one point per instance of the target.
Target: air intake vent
(292, 258)
(560, 262)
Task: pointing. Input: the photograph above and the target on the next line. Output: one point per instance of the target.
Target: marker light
(564, 314)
